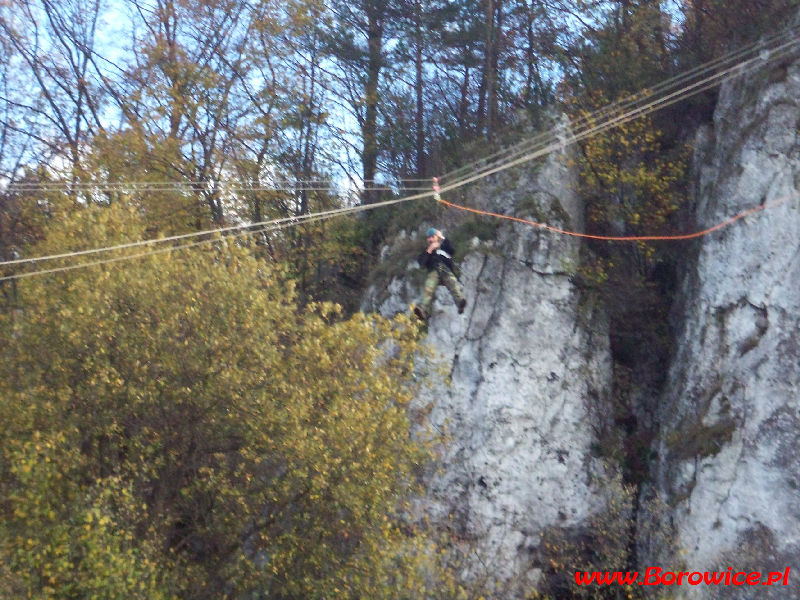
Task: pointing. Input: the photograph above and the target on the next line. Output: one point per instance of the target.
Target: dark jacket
(443, 254)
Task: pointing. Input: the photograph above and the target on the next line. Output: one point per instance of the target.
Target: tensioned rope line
(630, 238)
(760, 47)
(318, 217)
(655, 104)
(585, 126)
(203, 183)
(291, 221)
(762, 50)
(187, 186)
(104, 261)
(296, 220)
(301, 218)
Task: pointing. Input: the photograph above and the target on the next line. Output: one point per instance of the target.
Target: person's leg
(428, 292)
(451, 282)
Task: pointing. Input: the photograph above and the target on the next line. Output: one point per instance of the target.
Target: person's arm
(423, 259)
(447, 247)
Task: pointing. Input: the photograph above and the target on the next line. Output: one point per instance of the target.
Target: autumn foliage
(175, 426)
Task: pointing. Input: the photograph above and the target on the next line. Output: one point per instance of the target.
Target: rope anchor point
(436, 189)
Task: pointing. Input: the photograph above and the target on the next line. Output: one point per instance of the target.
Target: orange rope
(625, 238)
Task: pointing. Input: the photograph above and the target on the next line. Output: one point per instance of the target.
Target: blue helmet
(432, 231)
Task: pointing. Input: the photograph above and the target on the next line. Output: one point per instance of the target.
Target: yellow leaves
(631, 184)
(188, 401)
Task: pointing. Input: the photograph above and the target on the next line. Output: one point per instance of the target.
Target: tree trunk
(487, 61)
(493, 80)
(418, 87)
(369, 130)
(533, 81)
(463, 116)
(488, 97)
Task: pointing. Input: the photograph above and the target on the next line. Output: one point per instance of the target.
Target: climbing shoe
(420, 313)
(461, 304)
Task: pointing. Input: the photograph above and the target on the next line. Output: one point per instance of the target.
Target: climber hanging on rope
(438, 260)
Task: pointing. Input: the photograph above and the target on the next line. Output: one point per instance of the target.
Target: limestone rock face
(527, 366)
(526, 362)
(528, 370)
(727, 477)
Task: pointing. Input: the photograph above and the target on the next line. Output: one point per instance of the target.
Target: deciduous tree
(175, 426)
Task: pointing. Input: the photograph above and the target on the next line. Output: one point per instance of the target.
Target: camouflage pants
(441, 274)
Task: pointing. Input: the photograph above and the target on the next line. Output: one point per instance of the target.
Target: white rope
(285, 220)
(105, 261)
(758, 47)
(655, 104)
(551, 142)
(217, 186)
(755, 49)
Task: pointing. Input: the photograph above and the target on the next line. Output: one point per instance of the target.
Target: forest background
(215, 421)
